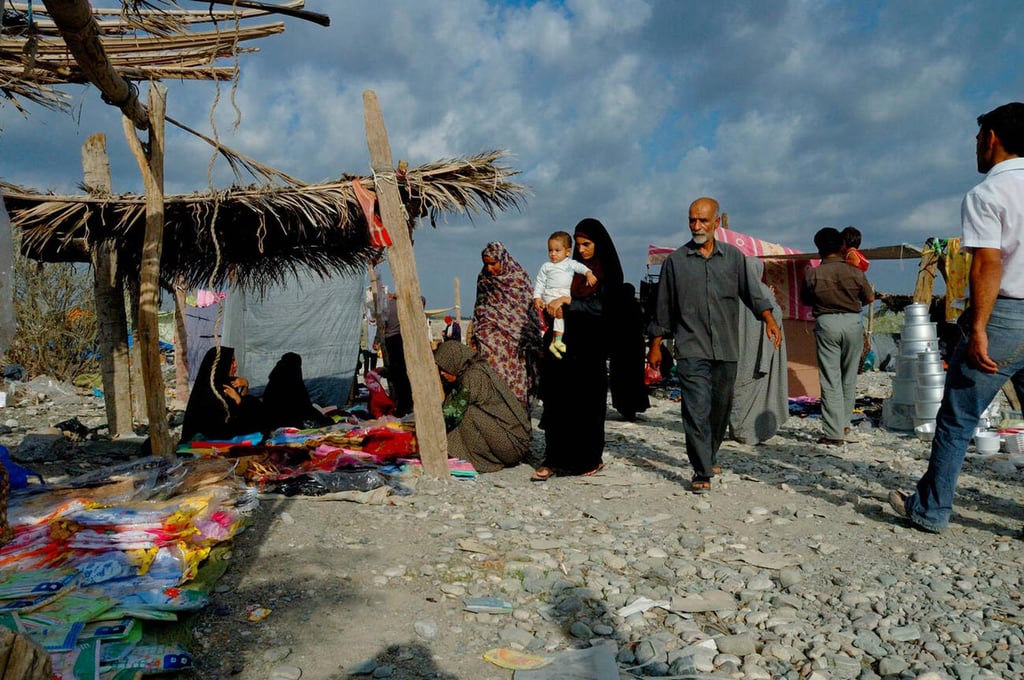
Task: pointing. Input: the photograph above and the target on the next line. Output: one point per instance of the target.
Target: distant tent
(785, 276)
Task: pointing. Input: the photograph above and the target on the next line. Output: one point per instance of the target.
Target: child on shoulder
(851, 242)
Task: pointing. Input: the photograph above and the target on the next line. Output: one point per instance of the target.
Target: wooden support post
(926, 277)
(458, 304)
(81, 34)
(112, 330)
(377, 308)
(138, 388)
(180, 346)
(151, 164)
(423, 375)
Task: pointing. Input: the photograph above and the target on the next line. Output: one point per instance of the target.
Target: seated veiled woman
(220, 406)
(286, 401)
(487, 424)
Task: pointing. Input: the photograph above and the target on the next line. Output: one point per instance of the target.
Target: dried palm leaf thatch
(256, 235)
(141, 39)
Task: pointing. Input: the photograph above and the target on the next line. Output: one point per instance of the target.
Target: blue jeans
(967, 394)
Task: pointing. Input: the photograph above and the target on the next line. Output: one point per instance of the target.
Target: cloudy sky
(795, 115)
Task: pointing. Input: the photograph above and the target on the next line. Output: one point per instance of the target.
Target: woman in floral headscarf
(505, 329)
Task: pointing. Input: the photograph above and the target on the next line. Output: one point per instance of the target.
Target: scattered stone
(275, 654)
(364, 667)
(285, 673)
(426, 629)
(739, 645)
(836, 587)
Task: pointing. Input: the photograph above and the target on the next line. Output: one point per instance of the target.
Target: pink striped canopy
(784, 276)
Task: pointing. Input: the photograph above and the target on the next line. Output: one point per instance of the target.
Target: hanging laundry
(379, 236)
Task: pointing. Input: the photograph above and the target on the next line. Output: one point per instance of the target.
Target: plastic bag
(320, 483)
(652, 376)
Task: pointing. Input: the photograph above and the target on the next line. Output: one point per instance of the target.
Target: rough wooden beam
(926, 273)
(419, 360)
(82, 36)
(112, 330)
(151, 164)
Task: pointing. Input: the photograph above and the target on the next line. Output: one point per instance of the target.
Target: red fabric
(379, 236)
(388, 443)
(380, 403)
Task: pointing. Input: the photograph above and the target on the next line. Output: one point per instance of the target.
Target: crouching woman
(487, 424)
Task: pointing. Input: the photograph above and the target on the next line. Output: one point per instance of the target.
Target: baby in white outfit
(555, 279)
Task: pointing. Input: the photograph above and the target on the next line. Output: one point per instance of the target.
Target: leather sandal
(600, 466)
(700, 485)
(542, 474)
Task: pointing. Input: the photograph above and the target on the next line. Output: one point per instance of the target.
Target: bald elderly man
(700, 289)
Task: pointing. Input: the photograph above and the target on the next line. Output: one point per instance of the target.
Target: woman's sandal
(600, 466)
(698, 485)
(542, 474)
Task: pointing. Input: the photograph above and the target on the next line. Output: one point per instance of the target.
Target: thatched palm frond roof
(142, 40)
(256, 235)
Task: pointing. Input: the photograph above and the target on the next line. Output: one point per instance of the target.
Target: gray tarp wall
(6, 280)
(317, 318)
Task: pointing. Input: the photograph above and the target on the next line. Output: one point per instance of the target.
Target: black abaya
(575, 388)
(210, 412)
(627, 355)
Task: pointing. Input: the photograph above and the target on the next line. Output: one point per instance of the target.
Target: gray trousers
(706, 390)
(839, 339)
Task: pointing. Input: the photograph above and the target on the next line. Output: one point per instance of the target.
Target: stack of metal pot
(919, 372)
(931, 379)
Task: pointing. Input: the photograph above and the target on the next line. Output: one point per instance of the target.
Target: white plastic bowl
(925, 431)
(986, 443)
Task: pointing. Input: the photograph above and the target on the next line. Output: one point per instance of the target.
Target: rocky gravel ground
(792, 567)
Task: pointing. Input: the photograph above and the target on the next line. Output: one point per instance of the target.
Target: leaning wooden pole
(458, 303)
(151, 164)
(423, 375)
(81, 34)
(112, 331)
(377, 309)
(180, 346)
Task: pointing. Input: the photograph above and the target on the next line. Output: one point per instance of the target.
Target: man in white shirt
(991, 350)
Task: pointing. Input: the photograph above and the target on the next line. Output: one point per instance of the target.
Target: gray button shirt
(699, 298)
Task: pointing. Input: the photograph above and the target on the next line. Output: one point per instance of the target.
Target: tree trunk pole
(377, 309)
(423, 375)
(151, 164)
(110, 315)
(180, 346)
(81, 34)
(458, 303)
